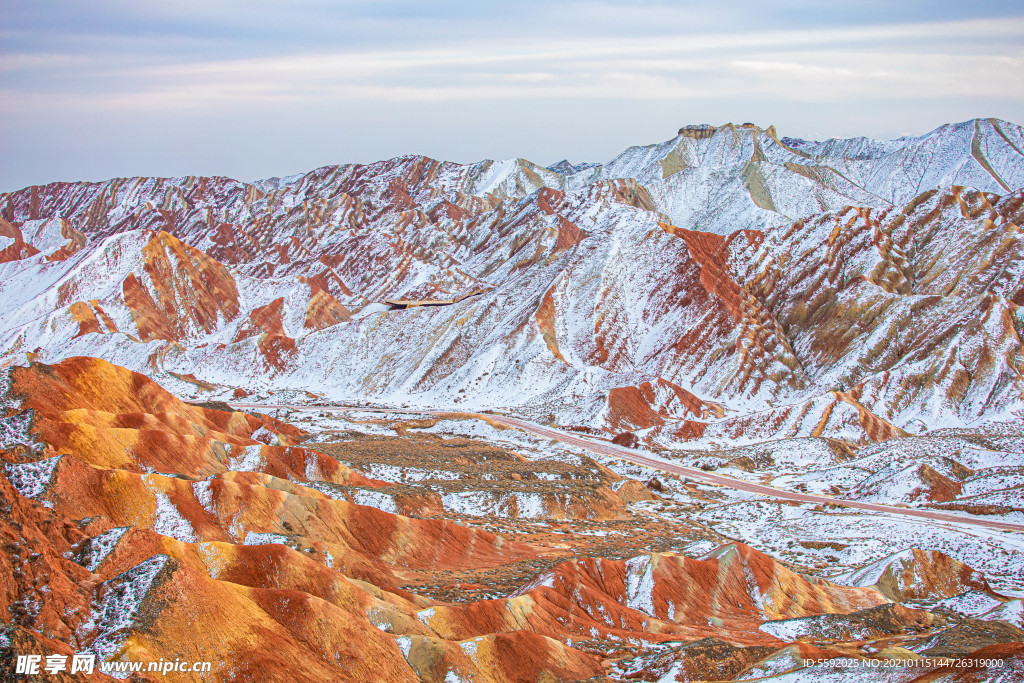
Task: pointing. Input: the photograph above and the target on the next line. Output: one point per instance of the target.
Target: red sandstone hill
(232, 551)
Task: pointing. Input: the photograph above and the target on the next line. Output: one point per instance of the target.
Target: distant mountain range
(726, 285)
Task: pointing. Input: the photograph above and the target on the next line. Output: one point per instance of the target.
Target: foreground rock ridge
(255, 424)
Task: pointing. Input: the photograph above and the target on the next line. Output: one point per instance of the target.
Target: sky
(259, 88)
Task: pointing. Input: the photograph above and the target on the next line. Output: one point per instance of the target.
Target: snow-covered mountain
(724, 285)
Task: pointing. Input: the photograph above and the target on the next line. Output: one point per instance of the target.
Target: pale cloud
(838, 76)
(532, 77)
(326, 69)
(858, 65)
(28, 62)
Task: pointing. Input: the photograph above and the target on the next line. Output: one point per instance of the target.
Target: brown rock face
(917, 574)
(34, 543)
(629, 409)
(323, 311)
(17, 250)
(546, 322)
(263, 320)
(664, 596)
(652, 404)
(569, 235)
(627, 439)
(110, 417)
(189, 291)
(277, 350)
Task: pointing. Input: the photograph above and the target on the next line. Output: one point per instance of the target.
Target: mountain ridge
(1011, 134)
(587, 293)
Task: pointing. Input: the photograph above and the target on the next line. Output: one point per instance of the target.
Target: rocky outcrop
(916, 574)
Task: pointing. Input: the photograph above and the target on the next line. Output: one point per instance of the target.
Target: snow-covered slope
(587, 298)
(731, 177)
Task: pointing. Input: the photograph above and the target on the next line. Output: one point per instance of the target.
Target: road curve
(631, 455)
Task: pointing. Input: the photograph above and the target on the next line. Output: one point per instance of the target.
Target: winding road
(634, 456)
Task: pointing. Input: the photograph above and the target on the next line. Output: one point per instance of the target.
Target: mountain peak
(698, 131)
(565, 167)
(702, 131)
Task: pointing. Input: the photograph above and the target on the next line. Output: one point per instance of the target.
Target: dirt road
(632, 455)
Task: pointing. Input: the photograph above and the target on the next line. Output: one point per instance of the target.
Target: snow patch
(250, 460)
(118, 607)
(545, 579)
(214, 559)
(425, 615)
(16, 430)
(167, 519)
(404, 644)
(640, 584)
(32, 479)
(261, 538)
(375, 499)
(265, 436)
(96, 549)
(203, 491)
(470, 647)
(787, 629)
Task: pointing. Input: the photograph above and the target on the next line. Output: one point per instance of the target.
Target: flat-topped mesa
(703, 131)
(698, 131)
